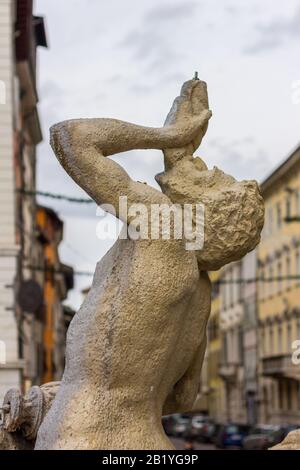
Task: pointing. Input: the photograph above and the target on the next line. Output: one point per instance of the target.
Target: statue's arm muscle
(77, 145)
(183, 395)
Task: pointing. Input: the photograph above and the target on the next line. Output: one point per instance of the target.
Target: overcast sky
(128, 60)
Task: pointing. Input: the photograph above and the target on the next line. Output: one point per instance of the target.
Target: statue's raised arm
(82, 145)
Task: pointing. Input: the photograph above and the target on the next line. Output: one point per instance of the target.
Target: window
(215, 290)
(270, 221)
(273, 394)
(270, 283)
(298, 266)
(231, 288)
(266, 340)
(289, 336)
(279, 274)
(271, 340)
(224, 348)
(213, 329)
(288, 206)
(262, 341)
(280, 338)
(239, 284)
(279, 215)
(240, 345)
(250, 314)
(297, 201)
(261, 284)
(231, 346)
(224, 295)
(288, 272)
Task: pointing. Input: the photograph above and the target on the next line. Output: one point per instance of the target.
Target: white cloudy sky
(128, 59)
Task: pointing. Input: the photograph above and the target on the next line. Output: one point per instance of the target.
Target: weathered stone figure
(135, 347)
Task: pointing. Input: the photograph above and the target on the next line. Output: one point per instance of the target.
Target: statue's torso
(134, 336)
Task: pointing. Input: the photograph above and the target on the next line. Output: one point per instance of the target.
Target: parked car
(194, 429)
(289, 427)
(210, 432)
(264, 436)
(231, 435)
(181, 424)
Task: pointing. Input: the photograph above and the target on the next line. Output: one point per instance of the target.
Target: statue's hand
(188, 118)
(188, 130)
(201, 129)
(193, 126)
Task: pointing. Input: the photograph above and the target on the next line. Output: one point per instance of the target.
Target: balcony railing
(280, 366)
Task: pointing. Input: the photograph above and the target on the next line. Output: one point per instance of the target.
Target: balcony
(280, 366)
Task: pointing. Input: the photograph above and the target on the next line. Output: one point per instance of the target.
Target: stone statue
(290, 442)
(135, 347)
(23, 415)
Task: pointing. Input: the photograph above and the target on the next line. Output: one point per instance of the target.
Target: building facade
(20, 132)
(251, 371)
(215, 385)
(56, 280)
(250, 337)
(231, 367)
(11, 364)
(279, 294)
(210, 397)
(33, 283)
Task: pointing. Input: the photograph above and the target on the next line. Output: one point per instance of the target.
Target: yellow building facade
(278, 272)
(211, 396)
(215, 385)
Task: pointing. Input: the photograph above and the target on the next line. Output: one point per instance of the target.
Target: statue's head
(233, 211)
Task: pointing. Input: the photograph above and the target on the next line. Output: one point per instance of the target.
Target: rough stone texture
(49, 391)
(14, 441)
(233, 210)
(136, 345)
(291, 442)
(23, 415)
